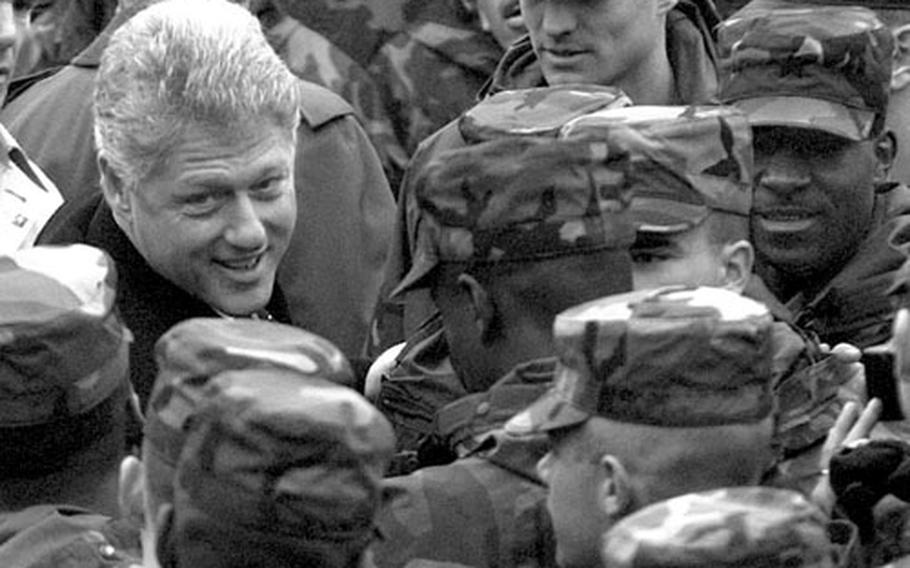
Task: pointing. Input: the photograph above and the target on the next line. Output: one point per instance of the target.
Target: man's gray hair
(181, 63)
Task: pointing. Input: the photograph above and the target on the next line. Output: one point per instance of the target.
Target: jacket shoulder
(319, 105)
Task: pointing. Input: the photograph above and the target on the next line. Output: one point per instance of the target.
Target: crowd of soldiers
(455, 283)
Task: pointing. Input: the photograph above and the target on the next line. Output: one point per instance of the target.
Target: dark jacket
(148, 303)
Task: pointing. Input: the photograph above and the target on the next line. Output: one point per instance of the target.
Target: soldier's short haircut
(178, 65)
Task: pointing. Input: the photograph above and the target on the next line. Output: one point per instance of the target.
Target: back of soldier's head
(279, 469)
(63, 367)
(194, 351)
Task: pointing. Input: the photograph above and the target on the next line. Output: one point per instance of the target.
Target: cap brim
(805, 112)
(664, 216)
(550, 412)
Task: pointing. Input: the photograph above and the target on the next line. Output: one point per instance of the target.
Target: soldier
(278, 469)
(656, 51)
(64, 392)
(685, 373)
(814, 82)
(512, 231)
(741, 527)
(422, 380)
(188, 356)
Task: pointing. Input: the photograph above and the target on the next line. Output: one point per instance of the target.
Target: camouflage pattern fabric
(490, 496)
(674, 357)
(195, 350)
(427, 76)
(827, 68)
(737, 527)
(692, 160)
(519, 199)
(63, 350)
(285, 456)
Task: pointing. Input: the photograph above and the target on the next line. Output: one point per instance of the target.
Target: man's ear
(484, 308)
(664, 6)
(900, 70)
(614, 495)
(115, 190)
(131, 490)
(885, 151)
(737, 259)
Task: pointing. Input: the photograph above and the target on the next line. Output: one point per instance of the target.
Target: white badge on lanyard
(24, 207)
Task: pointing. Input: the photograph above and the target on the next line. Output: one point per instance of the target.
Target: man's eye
(269, 188)
(647, 256)
(200, 204)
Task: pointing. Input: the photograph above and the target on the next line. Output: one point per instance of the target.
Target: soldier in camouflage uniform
(511, 232)
(188, 356)
(814, 82)
(422, 380)
(64, 389)
(736, 527)
(279, 468)
(685, 373)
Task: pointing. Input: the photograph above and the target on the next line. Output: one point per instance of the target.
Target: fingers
(863, 426)
(846, 353)
(851, 425)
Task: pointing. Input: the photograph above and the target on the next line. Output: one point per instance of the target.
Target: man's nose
(782, 172)
(557, 19)
(7, 26)
(246, 229)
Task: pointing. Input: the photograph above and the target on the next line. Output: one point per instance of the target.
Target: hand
(900, 344)
(851, 427)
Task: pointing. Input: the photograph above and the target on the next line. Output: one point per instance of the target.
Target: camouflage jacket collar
(464, 425)
(690, 48)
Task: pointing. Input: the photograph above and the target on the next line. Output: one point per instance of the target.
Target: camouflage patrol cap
(677, 357)
(63, 350)
(195, 350)
(687, 161)
(272, 452)
(735, 527)
(539, 111)
(518, 199)
(807, 66)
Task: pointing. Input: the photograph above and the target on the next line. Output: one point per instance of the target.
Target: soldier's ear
(614, 494)
(131, 490)
(885, 151)
(736, 262)
(664, 6)
(900, 69)
(484, 315)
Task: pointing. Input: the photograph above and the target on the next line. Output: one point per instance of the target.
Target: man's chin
(240, 305)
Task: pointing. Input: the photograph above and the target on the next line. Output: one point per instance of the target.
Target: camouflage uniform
(194, 351)
(506, 200)
(63, 352)
(427, 75)
(804, 67)
(279, 468)
(738, 527)
(422, 380)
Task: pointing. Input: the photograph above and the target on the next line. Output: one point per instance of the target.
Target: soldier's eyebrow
(653, 241)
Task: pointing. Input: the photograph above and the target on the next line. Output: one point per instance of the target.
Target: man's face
(592, 41)
(686, 258)
(814, 195)
(14, 19)
(216, 217)
(501, 19)
(573, 484)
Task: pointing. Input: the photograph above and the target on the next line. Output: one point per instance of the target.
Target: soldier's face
(602, 42)
(814, 195)
(573, 483)
(14, 21)
(217, 216)
(687, 258)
